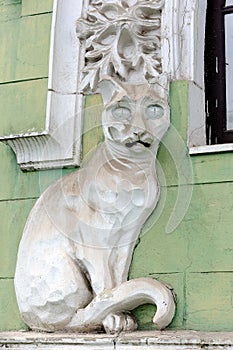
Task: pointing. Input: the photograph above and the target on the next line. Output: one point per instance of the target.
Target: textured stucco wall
(196, 258)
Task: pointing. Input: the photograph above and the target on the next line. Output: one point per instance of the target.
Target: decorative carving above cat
(122, 40)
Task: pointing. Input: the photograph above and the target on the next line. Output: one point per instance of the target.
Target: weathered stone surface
(154, 340)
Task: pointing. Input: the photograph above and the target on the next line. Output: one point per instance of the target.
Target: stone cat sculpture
(77, 245)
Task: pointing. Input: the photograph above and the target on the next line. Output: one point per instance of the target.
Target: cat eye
(121, 112)
(154, 111)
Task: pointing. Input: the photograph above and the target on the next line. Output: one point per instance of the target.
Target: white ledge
(226, 147)
(156, 340)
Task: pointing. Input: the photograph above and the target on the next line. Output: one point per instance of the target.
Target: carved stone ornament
(122, 39)
(77, 245)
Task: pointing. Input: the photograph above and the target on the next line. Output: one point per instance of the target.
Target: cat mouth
(131, 144)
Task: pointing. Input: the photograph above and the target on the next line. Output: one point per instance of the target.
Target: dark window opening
(219, 71)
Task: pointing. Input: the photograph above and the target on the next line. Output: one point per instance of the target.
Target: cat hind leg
(49, 301)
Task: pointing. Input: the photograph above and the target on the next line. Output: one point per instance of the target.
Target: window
(219, 71)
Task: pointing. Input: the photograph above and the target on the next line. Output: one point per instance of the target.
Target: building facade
(187, 242)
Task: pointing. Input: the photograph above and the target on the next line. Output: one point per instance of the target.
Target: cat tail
(124, 298)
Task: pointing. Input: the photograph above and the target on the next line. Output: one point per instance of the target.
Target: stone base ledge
(143, 340)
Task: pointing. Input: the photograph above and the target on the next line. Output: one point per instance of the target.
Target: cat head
(135, 117)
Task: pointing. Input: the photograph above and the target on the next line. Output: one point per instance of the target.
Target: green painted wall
(25, 39)
(196, 258)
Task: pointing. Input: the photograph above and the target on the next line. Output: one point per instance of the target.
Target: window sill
(226, 147)
(154, 340)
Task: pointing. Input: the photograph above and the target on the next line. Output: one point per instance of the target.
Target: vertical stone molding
(183, 31)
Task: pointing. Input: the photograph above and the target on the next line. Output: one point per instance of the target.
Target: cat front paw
(119, 322)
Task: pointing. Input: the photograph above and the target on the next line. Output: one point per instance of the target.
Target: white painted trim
(183, 27)
(226, 147)
(59, 145)
(196, 133)
(183, 35)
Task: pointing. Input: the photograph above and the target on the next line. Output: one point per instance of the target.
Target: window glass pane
(229, 69)
(228, 3)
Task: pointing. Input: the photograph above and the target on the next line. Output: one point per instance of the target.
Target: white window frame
(183, 55)
(183, 59)
(59, 144)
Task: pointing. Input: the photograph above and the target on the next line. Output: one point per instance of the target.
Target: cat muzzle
(131, 144)
(144, 139)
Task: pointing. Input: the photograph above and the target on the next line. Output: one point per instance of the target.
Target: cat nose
(138, 123)
(138, 132)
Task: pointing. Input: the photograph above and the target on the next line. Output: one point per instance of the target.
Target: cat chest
(106, 215)
(121, 201)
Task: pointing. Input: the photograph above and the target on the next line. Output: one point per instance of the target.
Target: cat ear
(111, 90)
